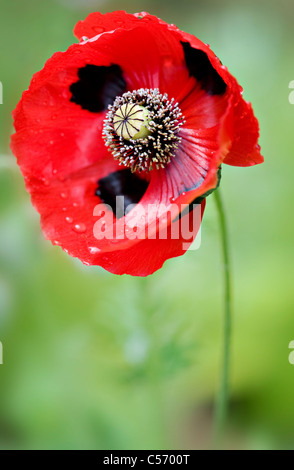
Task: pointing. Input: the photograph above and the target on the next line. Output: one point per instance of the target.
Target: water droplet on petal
(94, 250)
(100, 30)
(167, 60)
(69, 220)
(63, 195)
(80, 228)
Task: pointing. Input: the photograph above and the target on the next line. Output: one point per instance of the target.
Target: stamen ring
(142, 128)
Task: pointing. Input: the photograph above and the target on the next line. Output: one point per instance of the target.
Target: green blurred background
(97, 361)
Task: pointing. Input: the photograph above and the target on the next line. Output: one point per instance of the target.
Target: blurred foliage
(96, 361)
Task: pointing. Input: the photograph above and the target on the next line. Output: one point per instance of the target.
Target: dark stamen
(159, 129)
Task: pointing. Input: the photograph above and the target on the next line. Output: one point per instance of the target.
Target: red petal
(149, 54)
(161, 43)
(200, 109)
(245, 150)
(53, 135)
(148, 255)
(67, 220)
(66, 207)
(240, 125)
(97, 23)
(190, 174)
(193, 171)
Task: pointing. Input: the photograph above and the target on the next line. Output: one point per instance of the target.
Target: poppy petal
(240, 124)
(200, 109)
(55, 136)
(97, 23)
(98, 86)
(148, 255)
(245, 151)
(202, 70)
(139, 47)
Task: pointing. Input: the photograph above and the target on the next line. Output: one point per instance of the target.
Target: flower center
(141, 129)
(131, 122)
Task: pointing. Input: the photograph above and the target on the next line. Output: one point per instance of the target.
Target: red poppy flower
(138, 112)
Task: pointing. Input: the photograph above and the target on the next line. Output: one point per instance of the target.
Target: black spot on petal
(97, 87)
(200, 67)
(121, 183)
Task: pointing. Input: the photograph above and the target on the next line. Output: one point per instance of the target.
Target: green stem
(154, 382)
(221, 410)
